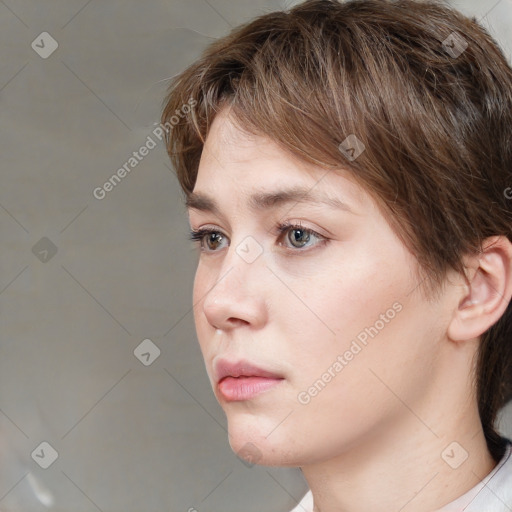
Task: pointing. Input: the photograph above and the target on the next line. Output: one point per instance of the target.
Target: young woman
(347, 171)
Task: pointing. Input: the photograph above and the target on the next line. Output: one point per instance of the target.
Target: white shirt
(492, 494)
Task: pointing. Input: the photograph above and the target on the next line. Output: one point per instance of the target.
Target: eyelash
(199, 235)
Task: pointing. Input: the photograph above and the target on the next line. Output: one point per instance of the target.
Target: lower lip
(244, 388)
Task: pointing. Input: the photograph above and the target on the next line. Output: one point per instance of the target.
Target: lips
(242, 380)
(226, 368)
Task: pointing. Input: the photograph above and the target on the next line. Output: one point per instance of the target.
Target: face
(308, 310)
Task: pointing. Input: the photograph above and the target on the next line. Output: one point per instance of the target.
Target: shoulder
(305, 504)
(498, 487)
(493, 493)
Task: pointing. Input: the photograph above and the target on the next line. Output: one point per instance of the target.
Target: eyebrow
(266, 200)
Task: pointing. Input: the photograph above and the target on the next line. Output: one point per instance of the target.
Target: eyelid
(197, 235)
(283, 227)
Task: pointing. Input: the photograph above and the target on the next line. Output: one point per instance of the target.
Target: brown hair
(425, 89)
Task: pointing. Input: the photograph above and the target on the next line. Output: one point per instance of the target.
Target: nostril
(236, 321)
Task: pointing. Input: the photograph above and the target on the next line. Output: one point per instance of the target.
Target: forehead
(266, 173)
(229, 143)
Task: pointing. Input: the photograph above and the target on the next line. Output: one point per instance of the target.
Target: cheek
(340, 301)
(369, 289)
(385, 341)
(363, 311)
(199, 292)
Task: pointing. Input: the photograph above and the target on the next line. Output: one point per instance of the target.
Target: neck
(411, 462)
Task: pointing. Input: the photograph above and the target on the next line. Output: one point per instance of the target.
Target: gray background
(129, 437)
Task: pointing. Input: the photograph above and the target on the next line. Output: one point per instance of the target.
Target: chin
(250, 440)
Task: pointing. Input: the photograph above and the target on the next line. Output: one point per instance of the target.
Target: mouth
(242, 380)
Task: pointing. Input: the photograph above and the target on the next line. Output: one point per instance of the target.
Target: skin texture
(372, 438)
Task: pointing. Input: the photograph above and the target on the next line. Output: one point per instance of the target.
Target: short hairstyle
(425, 89)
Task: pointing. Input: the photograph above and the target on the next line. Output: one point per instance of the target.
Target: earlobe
(487, 292)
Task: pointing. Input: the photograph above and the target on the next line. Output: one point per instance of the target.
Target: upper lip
(242, 368)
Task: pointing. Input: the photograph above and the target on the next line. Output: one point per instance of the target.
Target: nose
(235, 295)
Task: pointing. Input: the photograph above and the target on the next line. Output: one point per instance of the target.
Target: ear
(487, 291)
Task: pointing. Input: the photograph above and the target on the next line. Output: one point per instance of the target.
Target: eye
(297, 237)
(208, 236)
